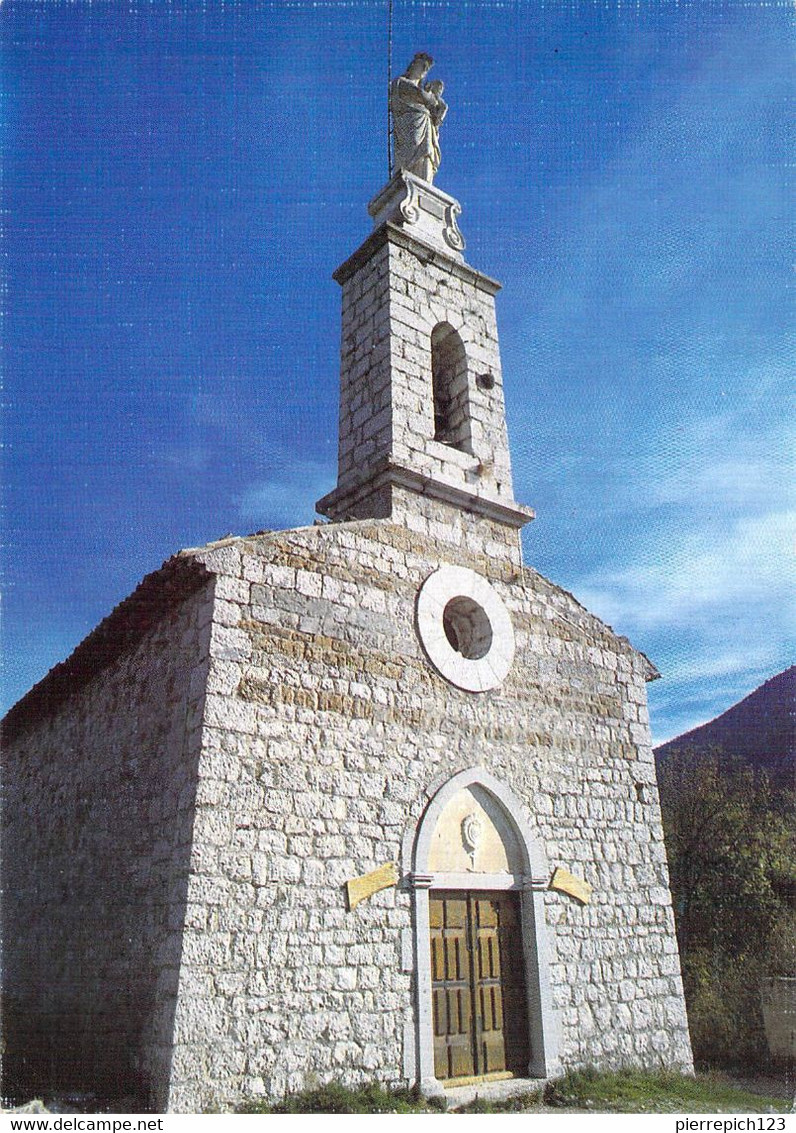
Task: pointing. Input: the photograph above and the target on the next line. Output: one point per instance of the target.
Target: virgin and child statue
(418, 110)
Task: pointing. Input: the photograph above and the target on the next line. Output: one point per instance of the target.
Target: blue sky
(180, 180)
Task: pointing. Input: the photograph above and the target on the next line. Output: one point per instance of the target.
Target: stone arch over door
(505, 855)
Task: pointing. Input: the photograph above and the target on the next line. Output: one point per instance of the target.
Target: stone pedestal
(422, 209)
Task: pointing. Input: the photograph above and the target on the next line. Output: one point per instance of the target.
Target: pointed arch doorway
(483, 1006)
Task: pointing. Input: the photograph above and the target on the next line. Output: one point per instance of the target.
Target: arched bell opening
(450, 389)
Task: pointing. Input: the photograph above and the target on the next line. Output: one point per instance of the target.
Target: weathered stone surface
(357, 715)
(99, 797)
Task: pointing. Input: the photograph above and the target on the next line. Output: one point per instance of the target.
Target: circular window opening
(467, 628)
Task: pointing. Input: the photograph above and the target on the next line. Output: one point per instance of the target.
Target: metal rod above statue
(418, 110)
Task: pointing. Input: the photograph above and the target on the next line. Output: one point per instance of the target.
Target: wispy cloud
(287, 497)
(699, 576)
(715, 613)
(693, 667)
(738, 461)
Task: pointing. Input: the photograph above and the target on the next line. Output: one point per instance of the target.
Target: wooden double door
(478, 984)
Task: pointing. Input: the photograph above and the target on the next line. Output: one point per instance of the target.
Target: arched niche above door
(472, 834)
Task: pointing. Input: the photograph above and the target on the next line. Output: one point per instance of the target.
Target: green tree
(732, 864)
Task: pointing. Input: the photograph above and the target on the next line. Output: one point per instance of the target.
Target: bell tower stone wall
(421, 389)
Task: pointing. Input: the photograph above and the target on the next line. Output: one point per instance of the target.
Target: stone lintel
(339, 503)
(427, 253)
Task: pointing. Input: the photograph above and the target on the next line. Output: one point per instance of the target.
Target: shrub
(724, 1014)
(732, 863)
(781, 952)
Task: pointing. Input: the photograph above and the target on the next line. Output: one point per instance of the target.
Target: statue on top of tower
(418, 110)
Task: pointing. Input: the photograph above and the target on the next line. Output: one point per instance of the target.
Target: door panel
(478, 984)
(451, 987)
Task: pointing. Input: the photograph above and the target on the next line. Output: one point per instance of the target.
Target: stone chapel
(364, 800)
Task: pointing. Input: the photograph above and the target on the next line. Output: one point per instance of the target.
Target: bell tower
(422, 415)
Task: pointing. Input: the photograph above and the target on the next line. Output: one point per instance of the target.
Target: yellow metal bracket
(566, 882)
(361, 887)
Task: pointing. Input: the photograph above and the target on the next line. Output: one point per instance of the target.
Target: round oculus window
(465, 629)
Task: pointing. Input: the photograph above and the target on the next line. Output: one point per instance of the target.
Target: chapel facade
(364, 800)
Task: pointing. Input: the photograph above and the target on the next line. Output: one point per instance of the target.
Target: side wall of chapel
(98, 793)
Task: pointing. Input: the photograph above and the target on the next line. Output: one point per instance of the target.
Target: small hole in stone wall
(642, 793)
(467, 628)
(485, 381)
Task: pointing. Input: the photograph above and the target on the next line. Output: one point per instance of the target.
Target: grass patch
(621, 1091)
(334, 1098)
(637, 1091)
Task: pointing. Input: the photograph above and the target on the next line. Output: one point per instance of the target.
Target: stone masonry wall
(424, 293)
(324, 729)
(99, 784)
(366, 418)
(395, 292)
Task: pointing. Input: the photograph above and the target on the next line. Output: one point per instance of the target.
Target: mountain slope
(760, 729)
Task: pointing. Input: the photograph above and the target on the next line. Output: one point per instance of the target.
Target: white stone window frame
(443, 586)
(543, 1021)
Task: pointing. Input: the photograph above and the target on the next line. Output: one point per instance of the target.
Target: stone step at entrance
(495, 1091)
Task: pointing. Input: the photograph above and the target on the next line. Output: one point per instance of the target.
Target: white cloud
(697, 576)
(713, 612)
(692, 666)
(722, 462)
